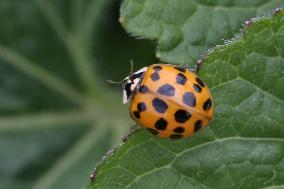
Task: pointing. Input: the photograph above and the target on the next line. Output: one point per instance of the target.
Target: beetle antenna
(119, 82)
(131, 66)
(113, 82)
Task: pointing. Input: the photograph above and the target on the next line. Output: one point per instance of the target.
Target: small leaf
(244, 145)
(184, 29)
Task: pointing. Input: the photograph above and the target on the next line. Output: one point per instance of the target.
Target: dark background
(46, 138)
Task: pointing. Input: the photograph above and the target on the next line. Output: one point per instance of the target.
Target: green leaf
(242, 148)
(184, 29)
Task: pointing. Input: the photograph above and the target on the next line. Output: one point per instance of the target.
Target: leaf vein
(199, 146)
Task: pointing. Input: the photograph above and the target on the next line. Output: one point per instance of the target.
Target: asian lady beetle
(170, 101)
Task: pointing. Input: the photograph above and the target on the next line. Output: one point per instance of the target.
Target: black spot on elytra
(141, 107)
(167, 90)
(143, 89)
(207, 104)
(180, 69)
(157, 68)
(153, 131)
(197, 125)
(161, 124)
(155, 76)
(182, 116)
(136, 114)
(175, 136)
(189, 99)
(159, 105)
(181, 79)
(197, 88)
(198, 80)
(179, 130)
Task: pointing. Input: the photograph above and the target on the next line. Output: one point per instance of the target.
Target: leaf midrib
(44, 119)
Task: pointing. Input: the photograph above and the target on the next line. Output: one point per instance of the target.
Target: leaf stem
(54, 20)
(86, 115)
(82, 58)
(51, 81)
(44, 119)
(81, 148)
(76, 47)
(77, 8)
(93, 13)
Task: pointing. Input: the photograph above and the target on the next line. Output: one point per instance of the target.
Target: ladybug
(168, 100)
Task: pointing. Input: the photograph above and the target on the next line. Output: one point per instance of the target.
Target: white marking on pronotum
(124, 98)
(135, 83)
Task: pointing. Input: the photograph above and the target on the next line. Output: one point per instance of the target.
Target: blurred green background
(59, 116)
